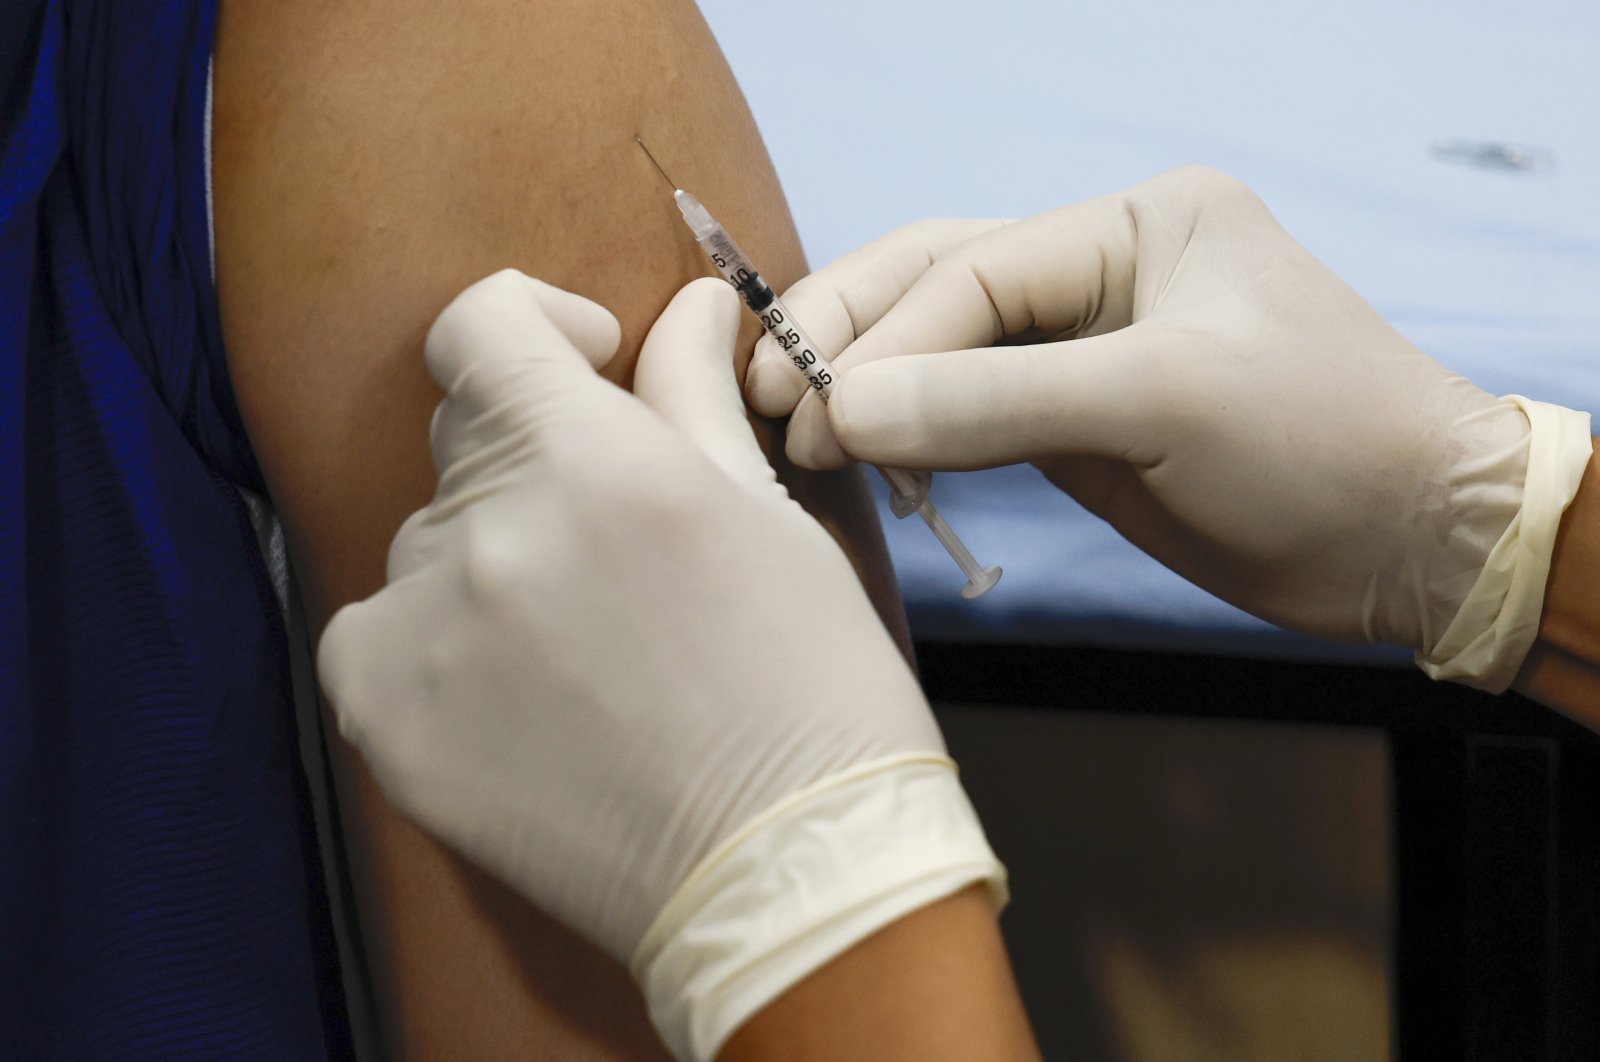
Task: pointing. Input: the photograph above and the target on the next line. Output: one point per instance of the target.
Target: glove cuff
(1490, 636)
(800, 884)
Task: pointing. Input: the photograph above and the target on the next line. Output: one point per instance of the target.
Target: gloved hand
(1197, 379)
(617, 666)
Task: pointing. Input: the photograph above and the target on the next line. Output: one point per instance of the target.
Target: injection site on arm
(908, 490)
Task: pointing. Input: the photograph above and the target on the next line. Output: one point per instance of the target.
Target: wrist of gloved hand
(800, 884)
(1497, 622)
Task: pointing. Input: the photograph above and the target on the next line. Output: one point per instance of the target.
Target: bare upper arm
(371, 159)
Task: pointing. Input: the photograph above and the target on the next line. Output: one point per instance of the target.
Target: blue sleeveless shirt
(160, 893)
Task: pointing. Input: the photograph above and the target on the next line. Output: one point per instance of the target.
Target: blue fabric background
(160, 895)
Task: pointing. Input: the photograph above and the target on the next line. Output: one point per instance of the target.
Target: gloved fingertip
(772, 385)
(337, 673)
(757, 393)
(713, 291)
(715, 300)
(810, 443)
(691, 345)
(449, 347)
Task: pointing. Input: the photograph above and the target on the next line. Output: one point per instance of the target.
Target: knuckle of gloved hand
(1205, 187)
(956, 271)
(498, 561)
(405, 749)
(379, 697)
(933, 233)
(925, 232)
(342, 671)
(407, 545)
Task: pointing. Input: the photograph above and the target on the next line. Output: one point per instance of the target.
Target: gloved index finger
(842, 300)
(1068, 273)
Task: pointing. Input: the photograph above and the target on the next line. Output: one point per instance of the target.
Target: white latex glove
(617, 666)
(1200, 381)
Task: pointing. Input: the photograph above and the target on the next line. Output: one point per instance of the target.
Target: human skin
(934, 986)
(1563, 668)
(372, 158)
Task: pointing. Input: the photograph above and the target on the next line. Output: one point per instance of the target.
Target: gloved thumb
(993, 406)
(508, 347)
(511, 315)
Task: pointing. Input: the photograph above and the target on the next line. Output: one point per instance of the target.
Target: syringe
(908, 491)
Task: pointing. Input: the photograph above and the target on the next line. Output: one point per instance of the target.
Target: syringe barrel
(797, 346)
(736, 269)
(910, 488)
